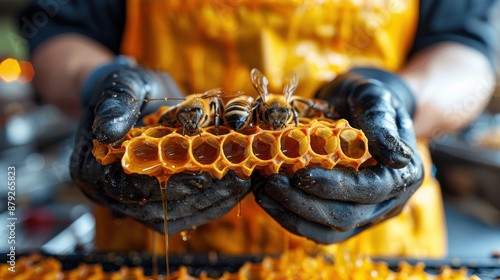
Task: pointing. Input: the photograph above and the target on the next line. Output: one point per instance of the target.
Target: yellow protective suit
(206, 44)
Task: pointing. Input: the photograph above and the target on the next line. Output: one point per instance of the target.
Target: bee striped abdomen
(238, 112)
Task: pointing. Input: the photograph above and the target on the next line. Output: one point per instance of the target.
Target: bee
(238, 112)
(274, 109)
(195, 111)
(278, 110)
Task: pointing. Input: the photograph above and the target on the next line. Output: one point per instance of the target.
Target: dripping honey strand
(163, 187)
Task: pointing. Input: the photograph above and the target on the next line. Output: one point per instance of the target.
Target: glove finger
(298, 225)
(135, 188)
(151, 214)
(126, 188)
(185, 184)
(119, 103)
(203, 180)
(150, 211)
(115, 114)
(183, 207)
(208, 215)
(376, 117)
(215, 191)
(368, 185)
(340, 215)
(405, 128)
(200, 202)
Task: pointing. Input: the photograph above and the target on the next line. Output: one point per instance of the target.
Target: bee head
(190, 118)
(277, 117)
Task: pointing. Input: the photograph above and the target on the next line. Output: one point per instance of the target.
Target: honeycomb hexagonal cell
(161, 151)
(174, 152)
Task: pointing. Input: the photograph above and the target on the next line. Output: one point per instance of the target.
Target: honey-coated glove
(329, 206)
(109, 113)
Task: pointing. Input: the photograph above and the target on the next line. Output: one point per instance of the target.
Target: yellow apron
(206, 44)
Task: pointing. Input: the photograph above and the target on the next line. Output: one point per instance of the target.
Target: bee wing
(290, 82)
(260, 83)
(216, 92)
(233, 94)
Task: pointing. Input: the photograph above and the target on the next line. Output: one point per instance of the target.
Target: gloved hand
(109, 113)
(329, 206)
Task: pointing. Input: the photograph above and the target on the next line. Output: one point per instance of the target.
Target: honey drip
(238, 213)
(163, 188)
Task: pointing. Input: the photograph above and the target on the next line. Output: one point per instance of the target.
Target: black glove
(109, 113)
(329, 206)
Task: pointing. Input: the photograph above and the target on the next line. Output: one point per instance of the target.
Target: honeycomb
(160, 151)
(295, 265)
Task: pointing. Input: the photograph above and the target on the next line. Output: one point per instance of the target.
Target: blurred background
(54, 216)
(37, 139)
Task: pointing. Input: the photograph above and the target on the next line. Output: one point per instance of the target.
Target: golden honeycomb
(294, 265)
(161, 151)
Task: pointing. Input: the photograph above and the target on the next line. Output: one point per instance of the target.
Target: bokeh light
(9, 70)
(12, 70)
(27, 72)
